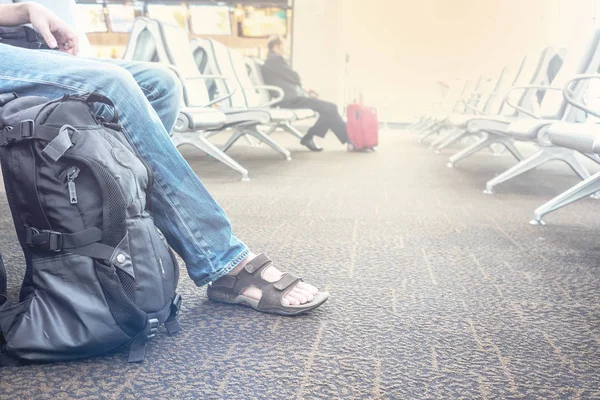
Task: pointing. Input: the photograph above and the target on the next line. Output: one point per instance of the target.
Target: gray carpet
(438, 291)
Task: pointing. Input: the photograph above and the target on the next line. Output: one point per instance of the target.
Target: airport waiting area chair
(553, 108)
(217, 59)
(254, 67)
(456, 102)
(583, 138)
(531, 71)
(544, 107)
(178, 56)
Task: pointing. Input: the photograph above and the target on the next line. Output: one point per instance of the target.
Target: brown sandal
(229, 288)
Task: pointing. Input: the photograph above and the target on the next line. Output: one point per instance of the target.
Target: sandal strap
(250, 275)
(226, 281)
(287, 280)
(246, 277)
(258, 263)
(274, 292)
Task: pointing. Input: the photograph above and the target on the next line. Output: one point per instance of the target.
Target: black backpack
(21, 36)
(100, 275)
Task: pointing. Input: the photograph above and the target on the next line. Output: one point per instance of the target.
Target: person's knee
(160, 81)
(327, 108)
(111, 79)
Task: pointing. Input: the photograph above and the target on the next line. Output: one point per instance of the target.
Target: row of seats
(222, 90)
(541, 101)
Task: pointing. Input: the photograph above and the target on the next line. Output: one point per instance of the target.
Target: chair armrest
(568, 93)
(523, 88)
(206, 77)
(192, 119)
(182, 79)
(268, 89)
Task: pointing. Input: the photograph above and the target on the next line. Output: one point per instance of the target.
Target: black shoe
(310, 143)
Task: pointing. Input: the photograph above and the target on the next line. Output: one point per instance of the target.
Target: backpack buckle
(153, 327)
(176, 305)
(7, 136)
(46, 239)
(25, 130)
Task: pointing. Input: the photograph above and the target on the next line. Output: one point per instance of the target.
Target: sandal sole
(219, 297)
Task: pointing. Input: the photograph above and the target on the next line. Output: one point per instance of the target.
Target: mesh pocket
(114, 207)
(128, 284)
(127, 315)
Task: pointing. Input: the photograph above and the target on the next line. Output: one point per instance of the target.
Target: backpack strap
(27, 130)
(21, 36)
(5, 98)
(85, 242)
(3, 286)
(137, 348)
(172, 323)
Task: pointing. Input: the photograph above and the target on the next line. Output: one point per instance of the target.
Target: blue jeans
(148, 97)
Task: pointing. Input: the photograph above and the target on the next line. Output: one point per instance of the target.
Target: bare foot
(302, 293)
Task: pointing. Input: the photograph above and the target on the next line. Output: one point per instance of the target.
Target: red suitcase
(362, 126)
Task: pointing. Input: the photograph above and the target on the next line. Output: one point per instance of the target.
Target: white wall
(399, 48)
(317, 54)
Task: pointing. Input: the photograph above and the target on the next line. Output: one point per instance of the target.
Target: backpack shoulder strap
(21, 36)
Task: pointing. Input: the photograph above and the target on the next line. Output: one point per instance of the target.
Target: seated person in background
(148, 97)
(277, 72)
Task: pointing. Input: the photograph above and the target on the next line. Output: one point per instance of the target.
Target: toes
(308, 288)
(297, 295)
(308, 295)
(292, 300)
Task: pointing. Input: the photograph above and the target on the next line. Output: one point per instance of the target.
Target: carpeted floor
(438, 291)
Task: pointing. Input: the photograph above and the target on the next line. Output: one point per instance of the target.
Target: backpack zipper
(71, 176)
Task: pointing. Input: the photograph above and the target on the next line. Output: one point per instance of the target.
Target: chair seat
(581, 137)
(280, 114)
(304, 113)
(239, 116)
(528, 129)
(202, 119)
(497, 124)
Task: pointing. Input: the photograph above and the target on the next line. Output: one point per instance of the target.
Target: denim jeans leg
(193, 222)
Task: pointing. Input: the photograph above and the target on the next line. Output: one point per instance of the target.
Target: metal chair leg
(199, 141)
(583, 189)
(289, 128)
(486, 140)
(482, 143)
(528, 164)
(544, 155)
(450, 140)
(267, 140)
(572, 161)
(249, 140)
(237, 133)
(443, 136)
(433, 129)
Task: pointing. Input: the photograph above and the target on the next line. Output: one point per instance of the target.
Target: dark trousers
(329, 118)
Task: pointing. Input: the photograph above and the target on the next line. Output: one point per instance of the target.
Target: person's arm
(14, 14)
(53, 30)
